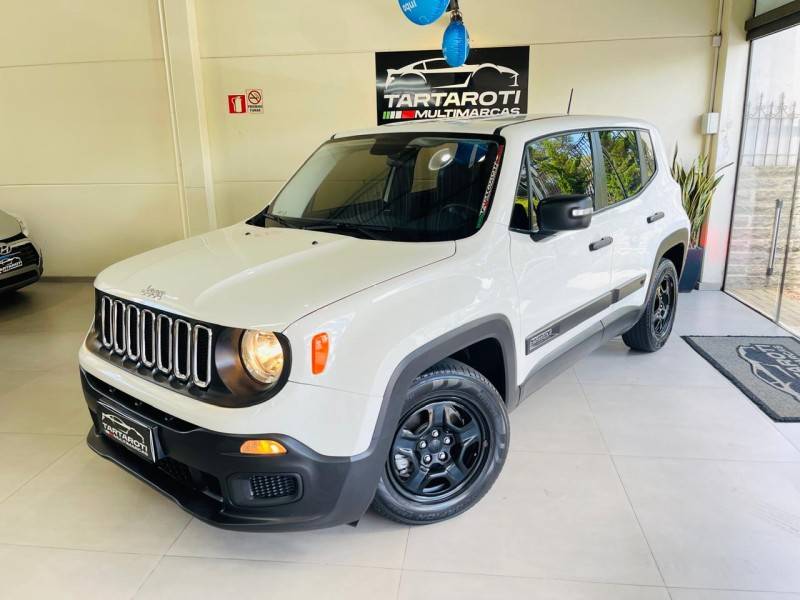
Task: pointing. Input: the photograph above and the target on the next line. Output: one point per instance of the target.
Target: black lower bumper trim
(15, 281)
(204, 473)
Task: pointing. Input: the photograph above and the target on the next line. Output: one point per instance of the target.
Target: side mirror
(564, 212)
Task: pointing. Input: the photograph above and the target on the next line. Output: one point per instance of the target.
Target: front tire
(448, 449)
(653, 328)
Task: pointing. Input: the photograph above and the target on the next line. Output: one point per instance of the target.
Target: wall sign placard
(252, 101)
(421, 85)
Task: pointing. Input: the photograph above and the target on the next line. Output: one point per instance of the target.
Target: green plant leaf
(697, 190)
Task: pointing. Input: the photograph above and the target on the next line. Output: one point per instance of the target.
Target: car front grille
(155, 340)
(28, 254)
(175, 469)
(25, 252)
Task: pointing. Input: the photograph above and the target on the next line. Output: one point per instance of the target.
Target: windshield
(401, 187)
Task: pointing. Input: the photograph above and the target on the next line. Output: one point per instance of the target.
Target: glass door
(764, 257)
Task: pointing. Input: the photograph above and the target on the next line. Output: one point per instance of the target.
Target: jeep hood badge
(151, 292)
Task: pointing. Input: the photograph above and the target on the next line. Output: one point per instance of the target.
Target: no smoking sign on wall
(252, 101)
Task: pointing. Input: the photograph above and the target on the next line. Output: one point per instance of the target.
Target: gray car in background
(20, 259)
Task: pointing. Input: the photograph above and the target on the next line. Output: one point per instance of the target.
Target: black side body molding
(610, 327)
(554, 329)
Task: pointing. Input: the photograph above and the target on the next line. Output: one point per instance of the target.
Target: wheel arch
(673, 247)
(494, 329)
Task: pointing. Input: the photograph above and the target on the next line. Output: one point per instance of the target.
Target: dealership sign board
(421, 85)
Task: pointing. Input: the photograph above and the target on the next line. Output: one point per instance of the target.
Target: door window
(560, 164)
(621, 163)
(648, 157)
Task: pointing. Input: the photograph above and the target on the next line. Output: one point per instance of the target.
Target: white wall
(87, 154)
(641, 58)
(85, 146)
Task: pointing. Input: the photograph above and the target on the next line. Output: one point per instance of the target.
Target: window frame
(645, 185)
(641, 154)
(502, 145)
(598, 166)
(538, 235)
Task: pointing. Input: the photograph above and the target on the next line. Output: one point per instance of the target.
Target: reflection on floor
(765, 300)
(632, 476)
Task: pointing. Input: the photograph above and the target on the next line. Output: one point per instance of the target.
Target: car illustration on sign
(775, 365)
(10, 264)
(435, 73)
(122, 426)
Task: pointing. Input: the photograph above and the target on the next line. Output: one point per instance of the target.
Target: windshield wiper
(279, 220)
(366, 230)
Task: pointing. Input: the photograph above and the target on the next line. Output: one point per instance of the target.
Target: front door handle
(655, 217)
(601, 243)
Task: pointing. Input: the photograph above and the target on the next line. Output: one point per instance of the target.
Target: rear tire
(653, 328)
(449, 447)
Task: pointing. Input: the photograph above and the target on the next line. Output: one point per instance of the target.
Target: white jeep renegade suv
(362, 340)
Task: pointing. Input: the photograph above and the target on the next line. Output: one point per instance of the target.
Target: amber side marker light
(319, 353)
(263, 447)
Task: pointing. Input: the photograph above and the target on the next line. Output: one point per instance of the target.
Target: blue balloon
(455, 44)
(423, 12)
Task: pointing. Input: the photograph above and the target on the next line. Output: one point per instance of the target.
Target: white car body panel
(381, 301)
(342, 426)
(387, 318)
(9, 225)
(245, 276)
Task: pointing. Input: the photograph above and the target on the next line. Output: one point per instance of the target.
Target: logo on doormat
(775, 365)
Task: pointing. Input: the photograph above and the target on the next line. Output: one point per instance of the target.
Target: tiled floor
(630, 477)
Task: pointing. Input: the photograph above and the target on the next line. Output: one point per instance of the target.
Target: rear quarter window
(648, 157)
(623, 171)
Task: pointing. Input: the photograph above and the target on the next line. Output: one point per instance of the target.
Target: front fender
(383, 337)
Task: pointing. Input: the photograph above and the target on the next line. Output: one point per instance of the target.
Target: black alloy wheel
(449, 446)
(664, 305)
(437, 450)
(654, 326)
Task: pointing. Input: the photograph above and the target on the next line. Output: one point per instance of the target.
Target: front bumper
(204, 473)
(27, 267)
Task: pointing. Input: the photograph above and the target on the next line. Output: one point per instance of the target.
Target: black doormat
(765, 368)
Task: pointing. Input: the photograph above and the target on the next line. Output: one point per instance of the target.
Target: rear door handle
(601, 243)
(655, 217)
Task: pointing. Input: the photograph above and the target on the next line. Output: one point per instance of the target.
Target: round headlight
(262, 356)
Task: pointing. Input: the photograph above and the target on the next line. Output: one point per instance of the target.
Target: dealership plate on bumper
(134, 435)
(9, 263)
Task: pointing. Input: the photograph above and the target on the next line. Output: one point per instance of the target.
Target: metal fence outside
(771, 133)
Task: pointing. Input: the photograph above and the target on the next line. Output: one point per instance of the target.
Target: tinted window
(521, 213)
(403, 187)
(648, 156)
(621, 159)
(560, 164)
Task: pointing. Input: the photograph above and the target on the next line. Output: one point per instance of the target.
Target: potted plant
(697, 189)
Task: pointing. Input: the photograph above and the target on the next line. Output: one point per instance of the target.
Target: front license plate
(134, 435)
(9, 263)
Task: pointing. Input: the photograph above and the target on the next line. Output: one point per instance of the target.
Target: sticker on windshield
(489, 188)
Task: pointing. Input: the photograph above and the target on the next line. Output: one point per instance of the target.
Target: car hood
(9, 227)
(252, 277)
